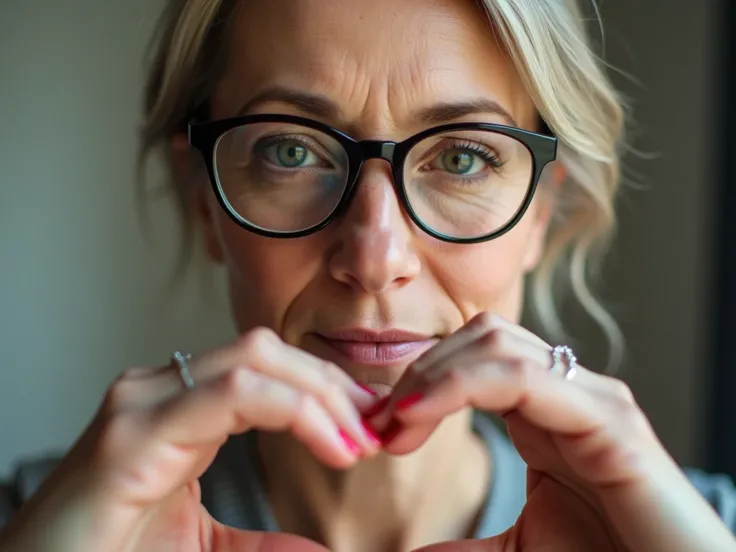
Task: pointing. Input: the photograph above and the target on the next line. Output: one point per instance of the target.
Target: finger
(476, 327)
(141, 395)
(498, 348)
(263, 350)
(250, 541)
(496, 337)
(336, 391)
(244, 399)
(158, 452)
(399, 439)
(267, 354)
(543, 399)
(540, 451)
(499, 543)
(602, 438)
(479, 325)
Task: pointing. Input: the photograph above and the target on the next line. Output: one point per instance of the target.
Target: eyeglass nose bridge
(377, 149)
(367, 150)
(373, 149)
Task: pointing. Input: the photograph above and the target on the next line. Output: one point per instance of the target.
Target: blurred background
(84, 292)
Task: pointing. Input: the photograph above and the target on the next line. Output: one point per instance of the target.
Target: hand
(130, 482)
(598, 478)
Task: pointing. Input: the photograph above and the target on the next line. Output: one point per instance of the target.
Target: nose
(373, 249)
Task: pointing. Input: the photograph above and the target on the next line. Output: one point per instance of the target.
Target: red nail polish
(376, 408)
(372, 434)
(392, 431)
(409, 401)
(367, 389)
(351, 445)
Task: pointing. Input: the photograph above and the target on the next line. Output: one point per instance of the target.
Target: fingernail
(377, 408)
(351, 445)
(409, 401)
(392, 431)
(367, 389)
(372, 435)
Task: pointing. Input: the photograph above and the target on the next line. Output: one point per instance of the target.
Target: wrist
(661, 511)
(67, 515)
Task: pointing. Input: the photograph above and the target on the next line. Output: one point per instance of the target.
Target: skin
(373, 268)
(598, 478)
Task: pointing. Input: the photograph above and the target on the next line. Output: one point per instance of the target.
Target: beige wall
(80, 292)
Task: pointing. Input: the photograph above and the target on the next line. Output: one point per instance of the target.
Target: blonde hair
(548, 43)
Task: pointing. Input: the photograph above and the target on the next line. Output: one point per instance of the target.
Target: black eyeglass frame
(204, 136)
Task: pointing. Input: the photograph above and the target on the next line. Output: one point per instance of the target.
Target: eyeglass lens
(287, 178)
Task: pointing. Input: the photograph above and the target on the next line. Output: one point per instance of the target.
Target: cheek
(487, 276)
(265, 276)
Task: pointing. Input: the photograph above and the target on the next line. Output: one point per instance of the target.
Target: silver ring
(181, 361)
(564, 362)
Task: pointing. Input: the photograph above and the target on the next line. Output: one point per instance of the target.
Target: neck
(387, 503)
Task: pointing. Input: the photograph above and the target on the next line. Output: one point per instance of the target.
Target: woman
(385, 176)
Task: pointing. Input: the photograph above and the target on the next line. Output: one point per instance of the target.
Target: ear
(187, 167)
(551, 182)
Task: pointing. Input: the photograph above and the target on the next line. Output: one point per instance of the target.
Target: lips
(377, 348)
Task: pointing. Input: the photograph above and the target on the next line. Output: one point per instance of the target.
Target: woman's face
(377, 65)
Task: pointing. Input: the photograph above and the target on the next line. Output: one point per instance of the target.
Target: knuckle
(331, 370)
(117, 434)
(239, 381)
(521, 370)
(630, 419)
(305, 406)
(329, 393)
(421, 376)
(331, 390)
(456, 380)
(257, 340)
(486, 320)
(122, 393)
(620, 390)
(494, 341)
(625, 414)
(135, 373)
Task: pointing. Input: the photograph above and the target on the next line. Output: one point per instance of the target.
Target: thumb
(499, 543)
(227, 539)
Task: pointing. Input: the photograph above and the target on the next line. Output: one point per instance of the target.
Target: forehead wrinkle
(375, 82)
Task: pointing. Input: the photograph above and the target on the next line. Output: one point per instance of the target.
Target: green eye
(458, 161)
(291, 154)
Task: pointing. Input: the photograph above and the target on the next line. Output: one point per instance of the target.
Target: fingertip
(399, 439)
(409, 401)
(372, 436)
(367, 389)
(339, 458)
(376, 407)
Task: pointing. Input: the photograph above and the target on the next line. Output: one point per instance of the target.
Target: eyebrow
(449, 111)
(314, 104)
(323, 107)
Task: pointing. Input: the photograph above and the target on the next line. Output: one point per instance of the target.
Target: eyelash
(486, 154)
(274, 140)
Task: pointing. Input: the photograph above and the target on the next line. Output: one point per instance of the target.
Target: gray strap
(232, 489)
(719, 491)
(28, 478)
(507, 494)
(31, 475)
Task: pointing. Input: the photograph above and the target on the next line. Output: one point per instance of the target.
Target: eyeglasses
(283, 176)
